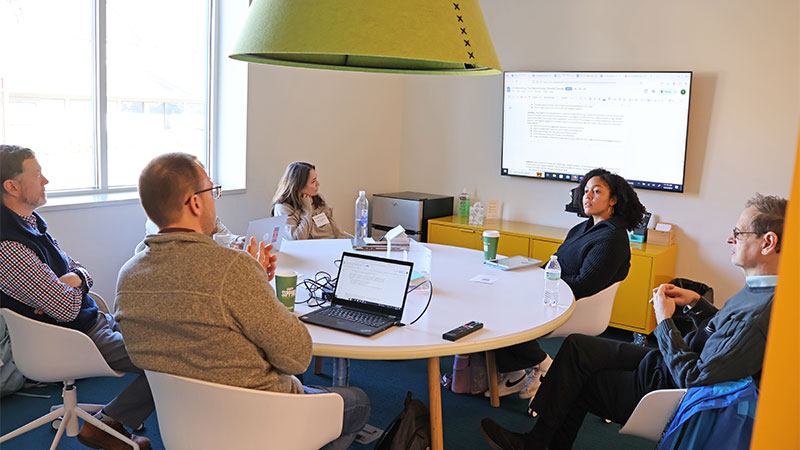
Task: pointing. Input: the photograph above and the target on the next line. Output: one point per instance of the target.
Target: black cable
(316, 287)
(430, 295)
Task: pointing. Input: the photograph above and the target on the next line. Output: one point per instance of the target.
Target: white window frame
(103, 193)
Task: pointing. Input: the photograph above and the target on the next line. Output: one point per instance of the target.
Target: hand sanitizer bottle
(463, 204)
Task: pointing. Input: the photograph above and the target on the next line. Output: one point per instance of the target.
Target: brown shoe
(94, 437)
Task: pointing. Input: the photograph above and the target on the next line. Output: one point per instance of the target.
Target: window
(98, 88)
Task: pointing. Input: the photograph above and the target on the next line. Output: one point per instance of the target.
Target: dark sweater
(727, 345)
(593, 257)
(13, 228)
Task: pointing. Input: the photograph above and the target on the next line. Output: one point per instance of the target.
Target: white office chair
(652, 413)
(102, 304)
(50, 353)
(198, 415)
(591, 314)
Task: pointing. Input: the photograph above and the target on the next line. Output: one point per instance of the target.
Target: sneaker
(499, 438)
(534, 378)
(509, 383)
(94, 437)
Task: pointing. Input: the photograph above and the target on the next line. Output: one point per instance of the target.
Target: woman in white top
(298, 197)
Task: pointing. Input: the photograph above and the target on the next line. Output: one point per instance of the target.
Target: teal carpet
(386, 383)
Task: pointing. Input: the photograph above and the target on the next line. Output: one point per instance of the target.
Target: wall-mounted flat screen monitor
(560, 125)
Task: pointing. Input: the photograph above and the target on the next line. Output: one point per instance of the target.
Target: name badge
(321, 220)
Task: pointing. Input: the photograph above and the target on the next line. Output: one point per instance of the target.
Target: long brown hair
(293, 181)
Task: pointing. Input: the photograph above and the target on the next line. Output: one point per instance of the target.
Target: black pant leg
(579, 359)
(611, 394)
(519, 356)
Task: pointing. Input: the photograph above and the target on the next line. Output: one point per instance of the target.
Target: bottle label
(552, 276)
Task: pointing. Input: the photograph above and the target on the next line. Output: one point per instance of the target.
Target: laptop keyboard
(364, 318)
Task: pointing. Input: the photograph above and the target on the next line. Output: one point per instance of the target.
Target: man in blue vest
(44, 283)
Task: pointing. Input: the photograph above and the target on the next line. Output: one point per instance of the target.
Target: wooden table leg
(435, 400)
(318, 365)
(491, 370)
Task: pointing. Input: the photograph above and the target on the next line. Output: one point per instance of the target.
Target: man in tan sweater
(190, 307)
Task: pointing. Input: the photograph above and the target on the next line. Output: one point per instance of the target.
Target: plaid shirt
(33, 283)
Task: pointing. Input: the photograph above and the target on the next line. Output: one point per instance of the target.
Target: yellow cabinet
(457, 237)
(543, 250)
(651, 264)
(470, 237)
(510, 245)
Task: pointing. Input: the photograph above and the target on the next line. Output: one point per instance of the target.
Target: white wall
(439, 134)
(347, 124)
(743, 119)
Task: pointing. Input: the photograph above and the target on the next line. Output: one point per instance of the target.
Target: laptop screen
(373, 282)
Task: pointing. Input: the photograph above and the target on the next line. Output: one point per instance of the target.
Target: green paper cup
(285, 284)
(490, 238)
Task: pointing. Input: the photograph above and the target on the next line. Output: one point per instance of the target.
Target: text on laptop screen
(372, 282)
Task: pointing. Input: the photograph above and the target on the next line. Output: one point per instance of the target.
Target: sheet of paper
(663, 227)
(484, 278)
(493, 210)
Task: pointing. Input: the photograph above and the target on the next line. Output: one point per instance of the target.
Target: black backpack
(410, 430)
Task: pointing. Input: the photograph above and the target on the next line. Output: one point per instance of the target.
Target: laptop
(369, 297)
(269, 230)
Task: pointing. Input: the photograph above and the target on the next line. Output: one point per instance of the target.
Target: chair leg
(47, 418)
(68, 417)
(90, 407)
(99, 424)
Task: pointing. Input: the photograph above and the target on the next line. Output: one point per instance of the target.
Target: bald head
(165, 184)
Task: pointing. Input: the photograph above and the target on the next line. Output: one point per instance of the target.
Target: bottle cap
(361, 192)
(552, 257)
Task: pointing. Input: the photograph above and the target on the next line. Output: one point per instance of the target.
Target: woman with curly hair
(595, 255)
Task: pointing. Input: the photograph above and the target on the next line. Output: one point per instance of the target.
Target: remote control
(463, 330)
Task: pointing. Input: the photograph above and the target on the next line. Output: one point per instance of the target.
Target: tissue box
(659, 237)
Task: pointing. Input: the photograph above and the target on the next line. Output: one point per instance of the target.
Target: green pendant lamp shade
(404, 36)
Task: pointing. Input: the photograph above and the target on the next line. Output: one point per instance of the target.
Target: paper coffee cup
(490, 239)
(285, 287)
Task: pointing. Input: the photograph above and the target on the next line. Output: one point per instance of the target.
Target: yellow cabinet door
(632, 307)
(509, 245)
(543, 250)
(457, 237)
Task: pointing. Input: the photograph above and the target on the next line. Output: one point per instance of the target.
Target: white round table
(511, 309)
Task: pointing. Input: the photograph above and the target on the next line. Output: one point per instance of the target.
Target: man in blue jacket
(608, 378)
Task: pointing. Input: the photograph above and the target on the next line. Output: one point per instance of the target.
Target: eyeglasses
(216, 192)
(737, 233)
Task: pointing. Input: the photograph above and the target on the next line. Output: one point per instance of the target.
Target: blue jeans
(356, 413)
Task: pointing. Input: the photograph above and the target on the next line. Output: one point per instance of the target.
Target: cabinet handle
(466, 231)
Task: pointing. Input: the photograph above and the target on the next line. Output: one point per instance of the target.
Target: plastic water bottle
(362, 215)
(552, 274)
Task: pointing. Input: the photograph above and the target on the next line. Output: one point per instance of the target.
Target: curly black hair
(628, 206)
